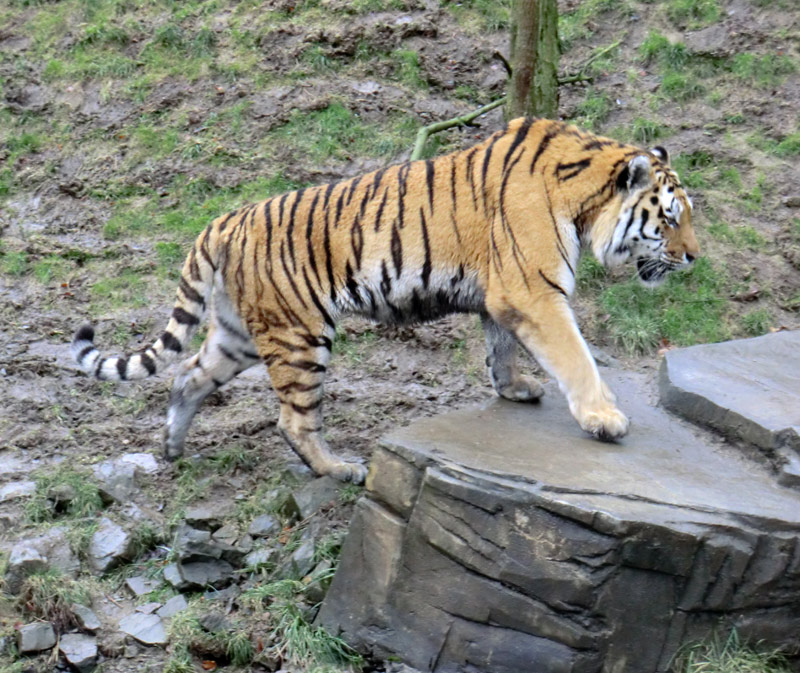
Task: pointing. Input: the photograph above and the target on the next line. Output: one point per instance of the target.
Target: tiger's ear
(636, 175)
(661, 153)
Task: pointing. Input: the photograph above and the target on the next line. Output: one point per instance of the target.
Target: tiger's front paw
(347, 471)
(524, 389)
(606, 425)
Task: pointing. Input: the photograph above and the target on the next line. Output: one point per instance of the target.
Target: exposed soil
(63, 195)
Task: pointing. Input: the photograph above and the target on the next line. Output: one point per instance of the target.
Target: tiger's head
(653, 225)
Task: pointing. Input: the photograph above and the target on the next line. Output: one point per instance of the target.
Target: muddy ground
(87, 165)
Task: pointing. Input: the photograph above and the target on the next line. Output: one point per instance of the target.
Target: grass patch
(728, 655)
(50, 594)
(742, 237)
(577, 24)
(409, 71)
(757, 322)
(593, 110)
(69, 493)
(695, 169)
(656, 48)
(479, 15)
(128, 289)
(689, 308)
(767, 70)
(647, 130)
(693, 14)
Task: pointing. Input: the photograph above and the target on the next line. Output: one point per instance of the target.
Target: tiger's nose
(689, 258)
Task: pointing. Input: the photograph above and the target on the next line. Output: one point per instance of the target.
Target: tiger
(496, 229)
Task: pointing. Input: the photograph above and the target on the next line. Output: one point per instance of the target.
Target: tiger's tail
(193, 297)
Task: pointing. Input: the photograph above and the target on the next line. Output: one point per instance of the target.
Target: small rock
(108, 546)
(302, 560)
(147, 629)
(145, 462)
(224, 595)
(190, 543)
(172, 574)
(264, 525)
(86, 619)
(210, 515)
(711, 41)
(259, 557)
(148, 608)
(23, 561)
(172, 607)
(792, 201)
(139, 586)
(215, 622)
(35, 637)
(116, 480)
(309, 498)
(602, 358)
(79, 650)
(200, 574)
(17, 489)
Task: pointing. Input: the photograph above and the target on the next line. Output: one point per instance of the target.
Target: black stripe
(311, 258)
(430, 176)
(290, 277)
(484, 170)
(316, 300)
(281, 205)
(352, 286)
(377, 181)
(397, 251)
(353, 186)
(292, 348)
(380, 210)
(307, 366)
(194, 269)
(190, 293)
(305, 408)
(170, 342)
(84, 352)
(470, 175)
(290, 228)
(226, 219)
(231, 329)
(552, 132)
(317, 342)
(555, 286)
(521, 134)
(298, 387)
(84, 333)
(386, 282)
(401, 193)
(339, 204)
(328, 191)
(184, 317)
(326, 242)
(357, 241)
(122, 368)
(572, 169)
(268, 226)
(453, 182)
(228, 354)
(148, 363)
(99, 366)
(426, 265)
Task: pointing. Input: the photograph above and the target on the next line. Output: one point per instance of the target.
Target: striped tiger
(495, 229)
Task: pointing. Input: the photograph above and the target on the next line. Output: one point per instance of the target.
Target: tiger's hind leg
(297, 364)
(501, 358)
(226, 352)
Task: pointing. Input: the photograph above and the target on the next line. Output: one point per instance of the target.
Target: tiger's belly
(409, 300)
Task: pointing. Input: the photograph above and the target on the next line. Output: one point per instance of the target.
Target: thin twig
(577, 75)
(463, 120)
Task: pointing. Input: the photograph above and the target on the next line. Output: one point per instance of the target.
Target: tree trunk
(533, 90)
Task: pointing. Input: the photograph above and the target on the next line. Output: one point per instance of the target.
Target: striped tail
(194, 295)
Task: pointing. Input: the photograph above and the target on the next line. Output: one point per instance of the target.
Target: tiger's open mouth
(651, 271)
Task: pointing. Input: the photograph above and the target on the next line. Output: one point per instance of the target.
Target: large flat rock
(748, 389)
(503, 539)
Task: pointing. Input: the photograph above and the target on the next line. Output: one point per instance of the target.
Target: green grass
(680, 87)
(693, 14)
(690, 307)
(646, 131)
(49, 594)
(129, 288)
(479, 16)
(593, 110)
(695, 169)
(577, 24)
(409, 71)
(13, 263)
(656, 48)
(728, 655)
(742, 236)
(65, 493)
(766, 71)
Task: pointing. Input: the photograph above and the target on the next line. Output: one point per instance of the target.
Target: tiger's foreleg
(224, 354)
(297, 365)
(547, 328)
(501, 358)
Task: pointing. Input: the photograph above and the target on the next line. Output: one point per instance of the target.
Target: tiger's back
(495, 229)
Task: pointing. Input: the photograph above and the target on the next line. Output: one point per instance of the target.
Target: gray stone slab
(172, 607)
(147, 629)
(502, 538)
(35, 637)
(748, 389)
(79, 650)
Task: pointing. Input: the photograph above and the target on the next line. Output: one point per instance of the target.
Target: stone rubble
(147, 629)
(109, 546)
(79, 650)
(35, 637)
